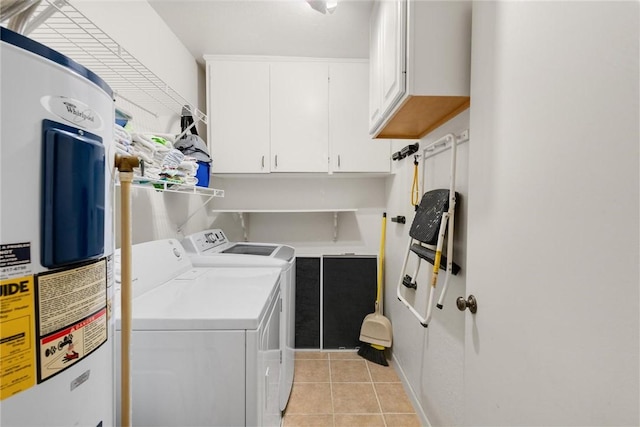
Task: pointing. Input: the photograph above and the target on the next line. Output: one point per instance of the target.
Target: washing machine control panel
(209, 239)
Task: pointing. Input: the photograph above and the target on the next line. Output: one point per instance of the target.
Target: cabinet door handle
(338, 160)
(262, 162)
(276, 160)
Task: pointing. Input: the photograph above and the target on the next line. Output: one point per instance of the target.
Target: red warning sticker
(72, 316)
(64, 348)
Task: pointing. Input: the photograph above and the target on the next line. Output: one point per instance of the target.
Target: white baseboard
(424, 420)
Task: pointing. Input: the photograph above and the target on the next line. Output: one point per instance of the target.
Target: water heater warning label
(72, 316)
(17, 336)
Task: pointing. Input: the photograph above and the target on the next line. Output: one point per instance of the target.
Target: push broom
(376, 330)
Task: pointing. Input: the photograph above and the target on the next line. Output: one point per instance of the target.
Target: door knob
(470, 302)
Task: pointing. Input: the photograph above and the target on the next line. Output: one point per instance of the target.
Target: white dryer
(205, 341)
(211, 248)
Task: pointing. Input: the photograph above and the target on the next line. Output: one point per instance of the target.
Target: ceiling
(268, 27)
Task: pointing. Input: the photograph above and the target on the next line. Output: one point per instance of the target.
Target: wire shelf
(60, 26)
(171, 187)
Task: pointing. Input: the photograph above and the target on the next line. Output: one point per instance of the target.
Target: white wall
(158, 215)
(548, 232)
(553, 244)
(310, 233)
(137, 27)
(430, 359)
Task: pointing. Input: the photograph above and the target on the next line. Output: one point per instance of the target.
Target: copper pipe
(125, 167)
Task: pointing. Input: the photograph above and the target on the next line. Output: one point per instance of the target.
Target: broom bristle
(372, 354)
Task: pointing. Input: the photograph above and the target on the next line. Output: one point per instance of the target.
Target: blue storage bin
(203, 174)
(122, 117)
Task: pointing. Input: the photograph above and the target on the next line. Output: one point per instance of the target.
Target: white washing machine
(211, 248)
(205, 341)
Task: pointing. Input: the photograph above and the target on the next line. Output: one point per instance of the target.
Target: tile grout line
(333, 408)
(375, 392)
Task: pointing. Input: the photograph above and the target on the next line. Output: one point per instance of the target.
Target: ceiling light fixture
(323, 6)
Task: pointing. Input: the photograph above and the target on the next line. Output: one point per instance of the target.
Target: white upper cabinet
(392, 53)
(299, 117)
(420, 66)
(351, 146)
(278, 114)
(239, 122)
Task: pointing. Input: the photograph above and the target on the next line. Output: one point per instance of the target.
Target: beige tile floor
(341, 389)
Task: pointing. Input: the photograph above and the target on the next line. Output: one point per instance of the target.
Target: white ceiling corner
(268, 27)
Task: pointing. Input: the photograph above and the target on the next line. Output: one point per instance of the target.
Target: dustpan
(376, 329)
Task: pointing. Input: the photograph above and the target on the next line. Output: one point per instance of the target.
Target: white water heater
(56, 239)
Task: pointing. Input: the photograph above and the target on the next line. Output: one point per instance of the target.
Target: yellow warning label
(17, 336)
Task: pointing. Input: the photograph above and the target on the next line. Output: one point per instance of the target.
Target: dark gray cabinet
(344, 296)
(307, 302)
(349, 294)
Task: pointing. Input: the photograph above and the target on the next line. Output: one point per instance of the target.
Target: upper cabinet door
(238, 106)
(420, 53)
(351, 146)
(375, 84)
(299, 117)
(393, 53)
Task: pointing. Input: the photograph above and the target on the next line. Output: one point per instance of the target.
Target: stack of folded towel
(158, 158)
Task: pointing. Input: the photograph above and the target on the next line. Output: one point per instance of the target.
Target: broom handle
(379, 294)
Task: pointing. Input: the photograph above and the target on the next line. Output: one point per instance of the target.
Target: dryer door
(269, 362)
